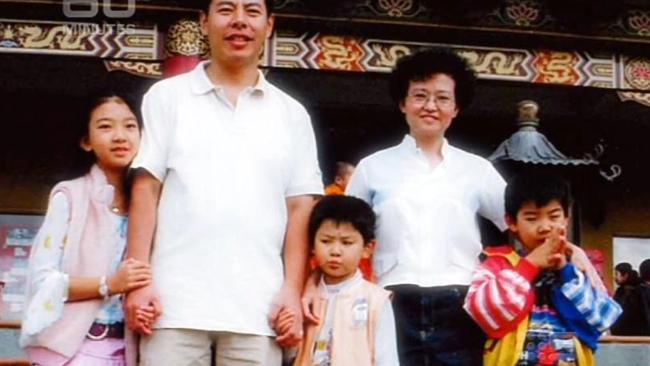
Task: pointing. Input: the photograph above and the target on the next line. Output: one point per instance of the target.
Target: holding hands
(131, 274)
(286, 317)
(133, 278)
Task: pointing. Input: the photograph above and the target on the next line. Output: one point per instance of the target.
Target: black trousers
(433, 328)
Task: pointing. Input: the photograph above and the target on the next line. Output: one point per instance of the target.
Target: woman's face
(619, 278)
(113, 135)
(430, 106)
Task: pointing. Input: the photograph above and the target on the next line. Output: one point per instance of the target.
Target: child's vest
(353, 343)
(86, 254)
(507, 350)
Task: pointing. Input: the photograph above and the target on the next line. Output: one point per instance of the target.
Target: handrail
(624, 339)
(14, 362)
(9, 324)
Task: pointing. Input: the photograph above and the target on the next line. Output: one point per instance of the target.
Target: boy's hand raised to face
(551, 253)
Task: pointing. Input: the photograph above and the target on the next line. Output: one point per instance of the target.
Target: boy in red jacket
(538, 309)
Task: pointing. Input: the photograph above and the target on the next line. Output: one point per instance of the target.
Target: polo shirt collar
(201, 83)
(410, 145)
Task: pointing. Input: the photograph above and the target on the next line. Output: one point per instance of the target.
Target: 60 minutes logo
(90, 8)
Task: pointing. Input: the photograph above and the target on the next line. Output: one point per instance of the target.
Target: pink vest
(88, 252)
(350, 345)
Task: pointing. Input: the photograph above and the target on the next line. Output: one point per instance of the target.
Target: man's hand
(284, 322)
(146, 316)
(136, 303)
(286, 304)
(581, 261)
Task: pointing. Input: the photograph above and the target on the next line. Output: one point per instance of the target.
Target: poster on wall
(17, 233)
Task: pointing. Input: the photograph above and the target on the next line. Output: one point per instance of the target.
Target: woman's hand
(132, 274)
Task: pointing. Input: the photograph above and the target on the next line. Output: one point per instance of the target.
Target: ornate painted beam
(135, 48)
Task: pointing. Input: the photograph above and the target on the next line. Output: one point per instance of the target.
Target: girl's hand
(132, 274)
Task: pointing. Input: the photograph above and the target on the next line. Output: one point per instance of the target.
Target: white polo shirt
(427, 232)
(226, 172)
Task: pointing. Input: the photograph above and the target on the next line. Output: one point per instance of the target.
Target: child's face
(113, 135)
(338, 250)
(534, 224)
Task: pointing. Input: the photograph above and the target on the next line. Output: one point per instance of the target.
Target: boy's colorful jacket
(501, 299)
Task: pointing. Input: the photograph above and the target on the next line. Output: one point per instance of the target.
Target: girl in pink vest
(77, 275)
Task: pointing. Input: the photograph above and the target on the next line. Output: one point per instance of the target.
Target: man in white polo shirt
(426, 194)
(221, 198)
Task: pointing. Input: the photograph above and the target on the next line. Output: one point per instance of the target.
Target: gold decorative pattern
(145, 69)
(126, 41)
(495, 64)
(396, 8)
(339, 53)
(133, 45)
(638, 23)
(384, 56)
(186, 39)
(641, 98)
(637, 73)
(557, 67)
(393, 8)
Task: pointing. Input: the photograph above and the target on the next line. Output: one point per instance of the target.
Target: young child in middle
(357, 325)
(539, 309)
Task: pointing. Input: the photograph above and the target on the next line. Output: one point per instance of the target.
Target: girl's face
(113, 135)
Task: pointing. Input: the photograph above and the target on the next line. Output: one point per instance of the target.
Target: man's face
(430, 106)
(236, 30)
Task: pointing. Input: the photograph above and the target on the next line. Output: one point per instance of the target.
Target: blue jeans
(433, 328)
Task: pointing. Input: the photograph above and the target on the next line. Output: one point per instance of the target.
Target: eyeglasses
(421, 98)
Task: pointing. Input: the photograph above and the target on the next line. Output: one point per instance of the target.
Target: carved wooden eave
(511, 40)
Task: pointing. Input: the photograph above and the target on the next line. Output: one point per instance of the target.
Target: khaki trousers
(189, 347)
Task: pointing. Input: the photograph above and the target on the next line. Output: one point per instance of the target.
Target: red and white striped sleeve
(500, 296)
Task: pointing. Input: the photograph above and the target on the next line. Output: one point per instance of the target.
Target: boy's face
(534, 224)
(343, 180)
(236, 30)
(338, 250)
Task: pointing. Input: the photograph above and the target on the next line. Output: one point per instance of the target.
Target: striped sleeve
(598, 309)
(500, 296)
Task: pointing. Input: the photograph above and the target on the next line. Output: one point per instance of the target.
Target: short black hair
(204, 6)
(644, 270)
(625, 268)
(538, 187)
(343, 209)
(423, 64)
(342, 168)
